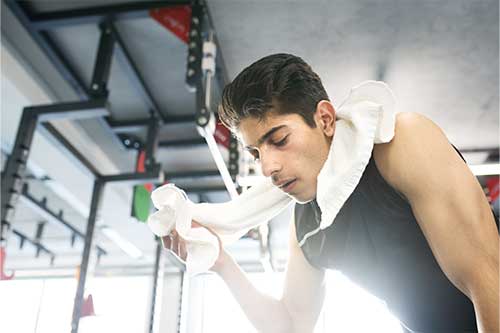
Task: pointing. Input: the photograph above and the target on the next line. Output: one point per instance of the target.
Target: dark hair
(281, 81)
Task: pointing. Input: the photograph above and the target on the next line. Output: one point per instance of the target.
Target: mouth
(288, 186)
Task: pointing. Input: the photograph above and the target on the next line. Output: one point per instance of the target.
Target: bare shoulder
(418, 147)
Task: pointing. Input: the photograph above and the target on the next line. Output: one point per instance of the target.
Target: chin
(302, 199)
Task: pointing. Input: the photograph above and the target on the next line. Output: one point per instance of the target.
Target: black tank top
(377, 243)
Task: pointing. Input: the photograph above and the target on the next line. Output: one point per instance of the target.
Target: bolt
(192, 45)
(191, 72)
(192, 58)
(196, 21)
(202, 120)
(95, 86)
(194, 33)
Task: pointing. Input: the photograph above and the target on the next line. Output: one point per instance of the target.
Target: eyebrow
(266, 136)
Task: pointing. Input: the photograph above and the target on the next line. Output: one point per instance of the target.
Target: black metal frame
(37, 26)
(57, 218)
(13, 175)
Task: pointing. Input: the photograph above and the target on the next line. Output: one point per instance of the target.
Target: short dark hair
(281, 81)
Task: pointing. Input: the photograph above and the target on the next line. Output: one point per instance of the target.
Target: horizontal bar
(70, 151)
(71, 110)
(204, 189)
(33, 242)
(134, 178)
(187, 143)
(192, 174)
(127, 126)
(48, 215)
(480, 150)
(92, 15)
(134, 125)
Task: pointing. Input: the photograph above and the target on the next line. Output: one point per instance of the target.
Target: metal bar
(39, 247)
(103, 60)
(234, 158)
(192, 174)
(185, 144)
(157, 279)
(69, 111)
(92, 15)
(127, 126)
(204, 189)
(46, 45)
(70, 151)
(51, 51)
(221, 69)
(135, 75)
(155, 175)
(195, 44)
(45, 213)
(89, 234)
(480, 150)
(13, 175)
(151, 143)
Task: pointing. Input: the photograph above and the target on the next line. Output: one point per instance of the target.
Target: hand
(177, 246)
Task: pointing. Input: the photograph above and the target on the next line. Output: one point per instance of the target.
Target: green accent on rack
(142, 203)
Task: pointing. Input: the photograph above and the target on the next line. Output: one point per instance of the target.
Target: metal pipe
(89, 235)
(157, 289)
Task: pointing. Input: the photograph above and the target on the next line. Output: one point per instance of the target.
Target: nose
(269, 165)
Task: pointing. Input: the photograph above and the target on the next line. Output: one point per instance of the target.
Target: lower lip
(289, 187)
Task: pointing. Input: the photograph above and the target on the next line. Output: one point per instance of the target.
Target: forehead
(252, 129)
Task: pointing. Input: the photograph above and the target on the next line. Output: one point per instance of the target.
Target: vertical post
(151, 142)
(89, 234)
(102, 67)
(157, 289)
(13, 175)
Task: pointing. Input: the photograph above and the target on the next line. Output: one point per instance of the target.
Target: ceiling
(439, 57)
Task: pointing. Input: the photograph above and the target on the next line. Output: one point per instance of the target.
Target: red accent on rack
(177, 19)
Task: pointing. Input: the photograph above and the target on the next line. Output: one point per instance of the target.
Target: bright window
(45, 306)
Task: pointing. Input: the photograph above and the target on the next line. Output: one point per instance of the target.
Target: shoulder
(418, 146)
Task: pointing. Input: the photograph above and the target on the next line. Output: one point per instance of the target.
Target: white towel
(365, 117)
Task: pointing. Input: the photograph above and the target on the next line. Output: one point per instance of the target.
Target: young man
(416, 232)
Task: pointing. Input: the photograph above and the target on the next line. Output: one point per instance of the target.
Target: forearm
(266, 313)
(485, 297)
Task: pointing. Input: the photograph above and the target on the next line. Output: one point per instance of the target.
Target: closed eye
(282, 142)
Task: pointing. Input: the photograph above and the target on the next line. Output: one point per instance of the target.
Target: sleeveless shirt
(377, 243)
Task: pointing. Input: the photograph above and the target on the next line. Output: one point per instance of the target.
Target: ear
(325, 117)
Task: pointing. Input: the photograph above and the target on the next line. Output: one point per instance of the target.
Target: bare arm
(451, 210)
(266, 313)
(301, 301)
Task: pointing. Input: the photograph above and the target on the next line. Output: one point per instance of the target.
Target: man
(417, 231)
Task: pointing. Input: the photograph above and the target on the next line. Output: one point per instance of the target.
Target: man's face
(289, 151)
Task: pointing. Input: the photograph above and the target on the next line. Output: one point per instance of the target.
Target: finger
(166, 242)
(175, 245)
(195, 224)
(182, 250)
